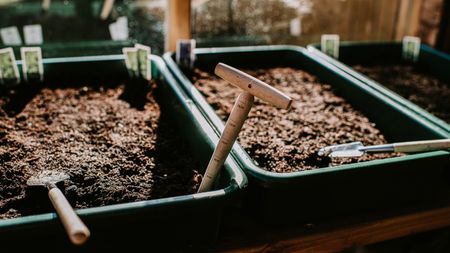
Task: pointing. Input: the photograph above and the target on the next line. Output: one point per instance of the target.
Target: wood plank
(402, 17)
(408, 18)
(346, 20)
(345, 237)
(388, 19)
(414, 22)
(178, 22)
(369, 20)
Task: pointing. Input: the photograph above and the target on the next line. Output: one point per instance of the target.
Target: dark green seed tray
(332, 191)
(181, 222)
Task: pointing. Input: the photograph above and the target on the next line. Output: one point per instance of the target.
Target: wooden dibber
(252, 87)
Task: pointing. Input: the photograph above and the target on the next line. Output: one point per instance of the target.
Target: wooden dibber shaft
(76, 230)
(252, 87)
(231, 131)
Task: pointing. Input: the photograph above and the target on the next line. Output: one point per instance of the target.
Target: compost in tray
(115, 142)
(287, 141)
(413, 83)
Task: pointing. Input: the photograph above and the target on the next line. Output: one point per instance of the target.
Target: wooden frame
(331, 236)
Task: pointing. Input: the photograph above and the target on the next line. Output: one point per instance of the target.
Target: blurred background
(227, 22)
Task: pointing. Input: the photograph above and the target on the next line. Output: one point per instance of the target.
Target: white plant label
(33, 34)
(119, 29)
(329, 44)
(122, 26)
(113, 31)
(10, 36)
(131, 61)
(411, 48)
(295, 27)
(8, 68)
(143, 54)
(32, 66)
(45, 5)
(185, 55)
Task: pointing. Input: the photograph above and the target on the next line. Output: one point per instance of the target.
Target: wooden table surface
(246, 234)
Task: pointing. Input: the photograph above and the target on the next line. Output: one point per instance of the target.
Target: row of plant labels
(32, 66)
(329, 44)
(33, 34)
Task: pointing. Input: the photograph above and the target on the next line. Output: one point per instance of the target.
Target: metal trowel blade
(352, 149)
(47, 177)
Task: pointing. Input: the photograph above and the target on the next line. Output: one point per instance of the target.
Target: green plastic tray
(341, 190)
(188, 221)
(435, 62)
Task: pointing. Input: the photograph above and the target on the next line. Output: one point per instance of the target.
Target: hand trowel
(76, 230)
(357, 149)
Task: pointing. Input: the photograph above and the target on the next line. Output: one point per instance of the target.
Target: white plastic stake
(143, 54)
(411, 48)
(8, 68)
(185, 55)
(10, 36)
(119, 29)
(295, 27)
(329, 44)
(32, 66)
(131, 61)
(33, 34)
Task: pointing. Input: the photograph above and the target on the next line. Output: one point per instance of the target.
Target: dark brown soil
(415, 85)
(114, 151)
(288, 140)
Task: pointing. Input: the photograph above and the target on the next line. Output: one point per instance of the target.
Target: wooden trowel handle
(78, 232)
(421, 146)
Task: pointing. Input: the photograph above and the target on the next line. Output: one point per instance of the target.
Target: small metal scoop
(76, 230)
(357, 149)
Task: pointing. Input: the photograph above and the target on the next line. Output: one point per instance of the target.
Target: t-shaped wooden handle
(253, 86)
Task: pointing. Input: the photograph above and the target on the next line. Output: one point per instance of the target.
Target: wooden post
(106, 9)
(178, 22)
(408, 18)
(443, 40)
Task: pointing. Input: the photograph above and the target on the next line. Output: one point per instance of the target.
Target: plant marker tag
(45, 5)
(119, 29)
(329, 44)
(10, 36)
(32, 66)
(114, 31)
(143, 54)
(411, 48)
(8, 68)
(185, 55)
(122, 27)
(33, 34)
(131, 61)
(295, 27)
